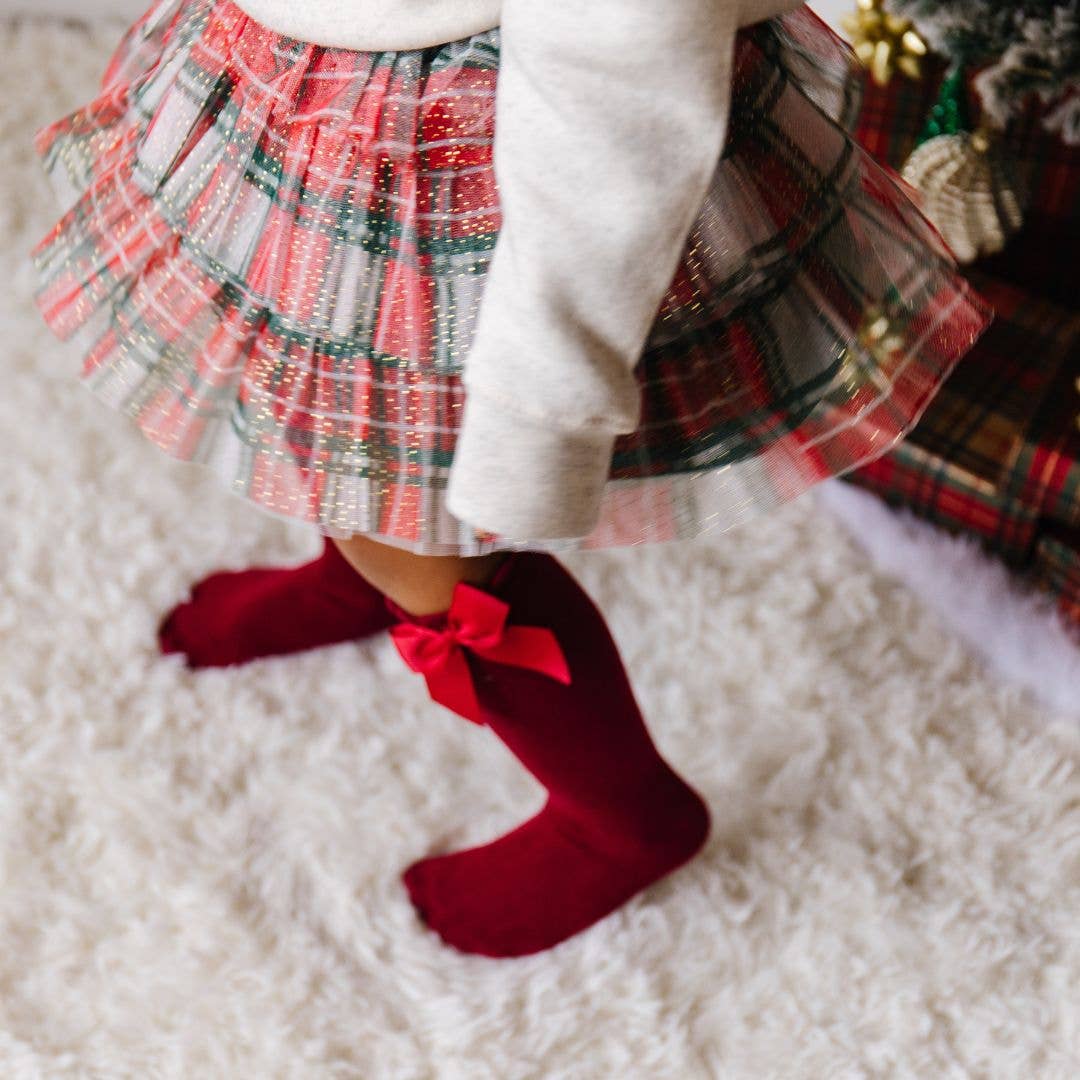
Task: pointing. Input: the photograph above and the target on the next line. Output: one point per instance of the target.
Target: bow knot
(475, 621)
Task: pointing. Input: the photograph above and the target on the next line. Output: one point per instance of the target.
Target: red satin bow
(476, 620)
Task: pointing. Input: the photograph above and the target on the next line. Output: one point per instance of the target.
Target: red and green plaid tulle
(273, 254)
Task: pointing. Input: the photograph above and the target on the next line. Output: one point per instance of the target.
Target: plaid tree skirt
(996, 450)
(997, 453)
(1056, 570)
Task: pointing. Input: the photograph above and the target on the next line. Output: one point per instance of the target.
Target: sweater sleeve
(610, 117)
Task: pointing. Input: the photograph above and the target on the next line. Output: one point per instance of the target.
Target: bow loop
(475, 621)
(478, 624)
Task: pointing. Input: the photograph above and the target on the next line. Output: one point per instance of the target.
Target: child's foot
(531, 657)
(234, 617)
(551, 877)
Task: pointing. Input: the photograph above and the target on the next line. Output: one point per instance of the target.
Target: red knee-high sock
(234, 617)
(617, 817)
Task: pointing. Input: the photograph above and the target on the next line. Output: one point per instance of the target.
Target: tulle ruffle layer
(274, 253)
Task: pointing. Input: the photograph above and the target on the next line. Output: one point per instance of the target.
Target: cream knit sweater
(610, 117)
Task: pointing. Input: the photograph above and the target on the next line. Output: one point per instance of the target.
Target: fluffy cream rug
(200, 871)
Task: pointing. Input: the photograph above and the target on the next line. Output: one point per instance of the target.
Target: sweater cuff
(524, 479)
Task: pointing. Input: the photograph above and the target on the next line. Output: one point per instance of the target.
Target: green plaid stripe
(935, 489)
(1056, 570)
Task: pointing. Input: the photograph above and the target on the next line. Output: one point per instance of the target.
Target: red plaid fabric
(998, 450)
(274, 253)
(1044, 470)
(1056, 570)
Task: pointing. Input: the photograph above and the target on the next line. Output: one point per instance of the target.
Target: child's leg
(617, 817)
(421, 584)
(237, 616)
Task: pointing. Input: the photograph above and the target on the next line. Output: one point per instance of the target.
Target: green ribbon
(949, 116)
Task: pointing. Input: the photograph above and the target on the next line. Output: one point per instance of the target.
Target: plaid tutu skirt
(273, 253)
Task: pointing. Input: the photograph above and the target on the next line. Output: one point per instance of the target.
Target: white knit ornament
(969, 193)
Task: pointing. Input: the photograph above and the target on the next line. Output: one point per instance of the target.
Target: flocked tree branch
(1026, 48)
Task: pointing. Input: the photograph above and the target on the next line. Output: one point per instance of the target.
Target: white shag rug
(200, 870)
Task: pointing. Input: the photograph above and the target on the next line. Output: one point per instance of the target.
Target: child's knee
(421, 584)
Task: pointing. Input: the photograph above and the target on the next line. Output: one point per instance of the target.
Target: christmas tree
(1020, 49)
